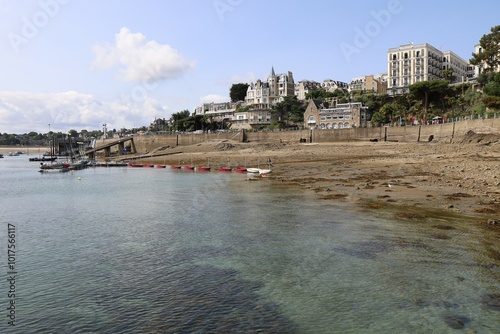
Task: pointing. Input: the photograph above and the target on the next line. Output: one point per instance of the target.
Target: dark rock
(493, 222)
(456, 322)
(491, 302)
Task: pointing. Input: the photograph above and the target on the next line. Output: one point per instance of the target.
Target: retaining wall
(446, 133)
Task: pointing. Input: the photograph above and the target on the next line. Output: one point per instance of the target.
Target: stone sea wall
(444, 133)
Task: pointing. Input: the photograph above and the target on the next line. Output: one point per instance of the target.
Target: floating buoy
(79, 178)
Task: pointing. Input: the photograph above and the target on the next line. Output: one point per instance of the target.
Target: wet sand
(414, 179)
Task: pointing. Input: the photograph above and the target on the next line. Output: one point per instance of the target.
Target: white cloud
(214, 98)
(22, 112)
(141, 60)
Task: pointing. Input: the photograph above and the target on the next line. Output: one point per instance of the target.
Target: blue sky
(77, 64)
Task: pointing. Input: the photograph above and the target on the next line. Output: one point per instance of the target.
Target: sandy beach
(412, 180)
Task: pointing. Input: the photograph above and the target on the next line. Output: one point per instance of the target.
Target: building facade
(321, 115)
(412, 63)
(332, 85)
(258, 93)
(306, 87)
(251, 118)
(477, 70)
(376, 84)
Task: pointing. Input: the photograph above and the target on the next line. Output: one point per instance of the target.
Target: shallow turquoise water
(130, 250)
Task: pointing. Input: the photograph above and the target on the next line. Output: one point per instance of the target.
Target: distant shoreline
(31, 150)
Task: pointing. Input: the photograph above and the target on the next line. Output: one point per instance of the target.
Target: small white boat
(261, 171)
(264, 171)
(253, 170)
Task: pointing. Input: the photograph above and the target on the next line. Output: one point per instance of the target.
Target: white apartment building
(412, 63)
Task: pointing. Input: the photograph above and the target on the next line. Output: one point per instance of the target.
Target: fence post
(453, 133)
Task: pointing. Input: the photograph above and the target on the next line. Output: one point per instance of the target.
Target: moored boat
(253, 170)
(206, 168)
(44, 158)
(57, 167)
(264, 171)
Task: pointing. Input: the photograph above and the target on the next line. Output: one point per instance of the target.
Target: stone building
(334, 115)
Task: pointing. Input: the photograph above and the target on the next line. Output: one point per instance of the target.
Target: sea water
(147, 250)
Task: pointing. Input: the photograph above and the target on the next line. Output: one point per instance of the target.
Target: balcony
(259, 121)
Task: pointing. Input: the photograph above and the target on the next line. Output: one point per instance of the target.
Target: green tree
(428, 91)
(238, 92)
(177, 119)
(378, 118)
(321, 94)
(449, 75)
(492, 88)
(289, 110)
(73, 133)
(489, 56)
